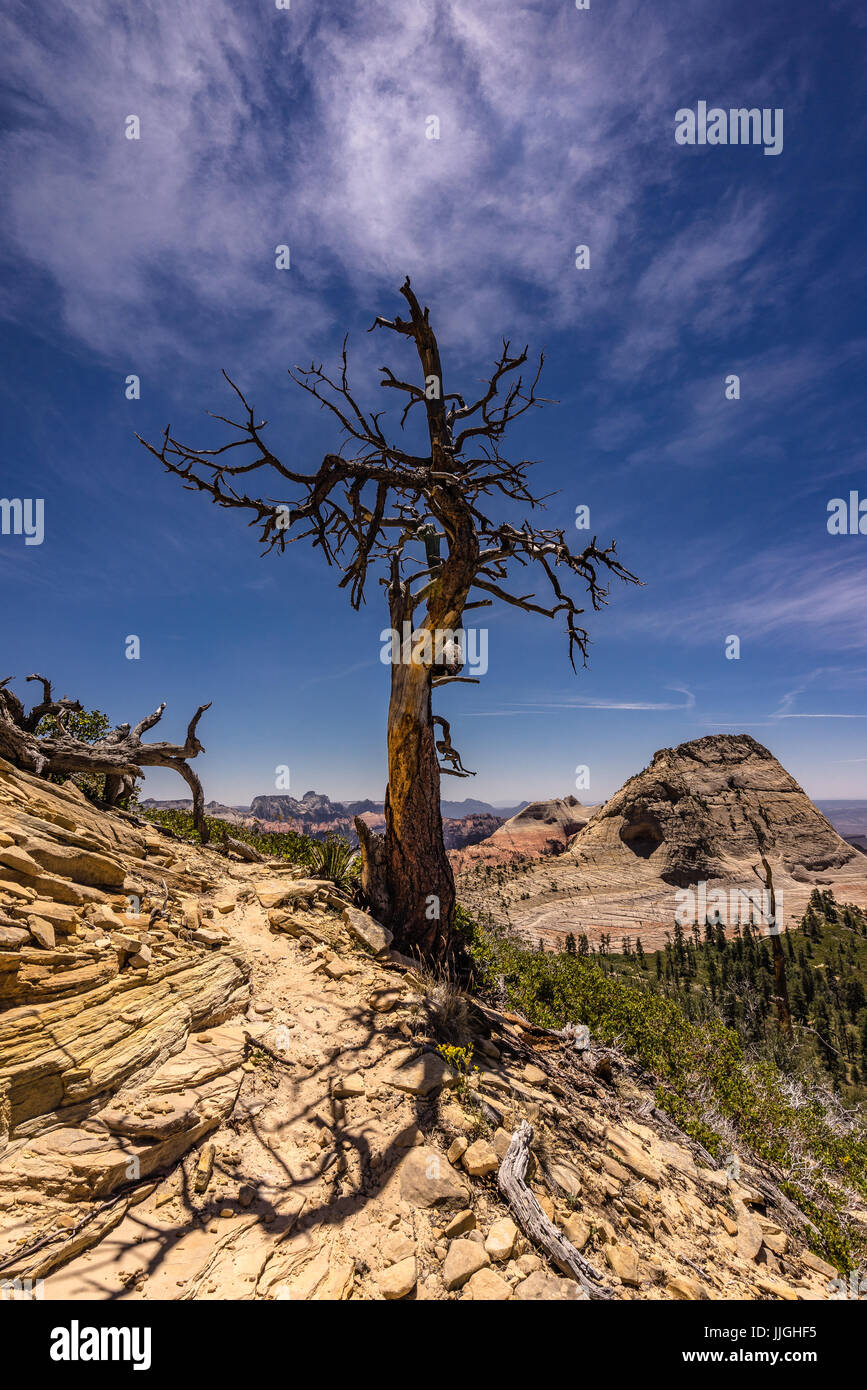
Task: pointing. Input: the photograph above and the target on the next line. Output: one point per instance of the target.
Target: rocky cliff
(469, 830)
(695, 811)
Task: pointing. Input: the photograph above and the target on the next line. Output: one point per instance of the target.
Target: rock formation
(541, 828)
(700, 813)
(469, 830)
(694, 811)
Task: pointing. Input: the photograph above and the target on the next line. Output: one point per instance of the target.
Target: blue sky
(307, 127)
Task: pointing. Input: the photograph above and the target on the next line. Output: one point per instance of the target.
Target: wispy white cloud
(689, 283)
(308, 127)
(781, 593)
(584, 702)
(835, 678)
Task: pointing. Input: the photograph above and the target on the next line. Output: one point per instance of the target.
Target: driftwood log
(528, 1214)
(119, 757)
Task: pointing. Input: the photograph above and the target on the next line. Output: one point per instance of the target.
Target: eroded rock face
(61, 1055)
(694, 811)
(700, 813)
(151, 1125)
(541, 828)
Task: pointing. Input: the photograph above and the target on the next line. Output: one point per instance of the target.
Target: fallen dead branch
(529, 1215)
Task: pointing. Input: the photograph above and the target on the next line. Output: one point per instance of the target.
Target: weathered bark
(419, 882)
(419, 879)
(528, 1214)
(374, 877)
(406, 877)
(120, 756)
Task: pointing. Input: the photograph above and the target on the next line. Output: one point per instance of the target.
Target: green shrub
(90, 726)
(335, 859)
(284, 844)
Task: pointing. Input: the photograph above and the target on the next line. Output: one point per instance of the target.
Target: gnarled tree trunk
(407, 878)
(411, 877)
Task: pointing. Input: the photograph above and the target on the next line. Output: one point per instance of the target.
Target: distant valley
(503, 833)
(464, 822)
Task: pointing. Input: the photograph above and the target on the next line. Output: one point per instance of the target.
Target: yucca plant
(335, 859)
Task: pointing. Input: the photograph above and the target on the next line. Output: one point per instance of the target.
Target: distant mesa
(539, 828)
(315, 814)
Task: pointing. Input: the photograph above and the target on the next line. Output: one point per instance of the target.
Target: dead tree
(379, 505)
(784, 1011)
(120, 756)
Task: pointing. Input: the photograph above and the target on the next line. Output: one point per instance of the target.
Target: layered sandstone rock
(695, 809)
(701, 813)
(102, 1003)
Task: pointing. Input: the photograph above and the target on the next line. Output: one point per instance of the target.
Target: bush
(89, 725)
(284, 844)
(335, 859)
